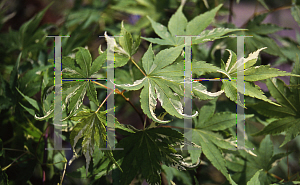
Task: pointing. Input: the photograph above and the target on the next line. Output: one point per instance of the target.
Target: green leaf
(125, 40)
(271, 110)
(181, 176)
(221, 121)
(148, 59)
(28, 30)
(232, 64)
(211, 35)
(209, 141)
(145, 150)
(177, 23)
(264, 72)
(164, 81)
(178, 26)
(162, 32)
(251, 74)
(98, 62)
(278, 126)
(265, 152)
(255, 179)
(291, 132)
(210, 150)
(295, 11)
(201, 68)
(265, 29)
(32, 102)
(14, 73)
(206, 112)
(84, 60)
(295, 81)
(199, 23)
(92, 129)
(263, 3)
(258, 41)
(74, 91)
(280, 92)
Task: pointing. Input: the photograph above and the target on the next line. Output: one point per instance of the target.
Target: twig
(273, 175)
(63, 175)
(4, 168)
(101, 85)
(127, 99)
(265, 11)
(137, 66)
(103, 101)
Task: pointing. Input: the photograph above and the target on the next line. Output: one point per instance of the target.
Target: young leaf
(250, 74)
(74, 91)
(211, 35)
(255, 179)
(199, 23)
(164, 81)
(126, 40)
(295, 11)
(178, 25)
(162, 32)
(92, 128)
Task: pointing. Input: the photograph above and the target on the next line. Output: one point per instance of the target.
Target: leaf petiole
(103, 102)
(137, 66)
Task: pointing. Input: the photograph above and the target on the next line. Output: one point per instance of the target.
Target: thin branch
(4, 168)
(137, 66)
(293, 176)
(127, 99)
(63, 175)
(279, 178)
(101, 85)
(265, 11)
(103, 101)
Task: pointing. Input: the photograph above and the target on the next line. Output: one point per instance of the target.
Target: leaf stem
(137, 66)
(273, 175)
(103, 102)
(4, 168)
(127, 99)
(101, 85)
(265, 11)
(63, 175)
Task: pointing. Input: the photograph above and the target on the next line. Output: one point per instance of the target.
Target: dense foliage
(149, 67)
